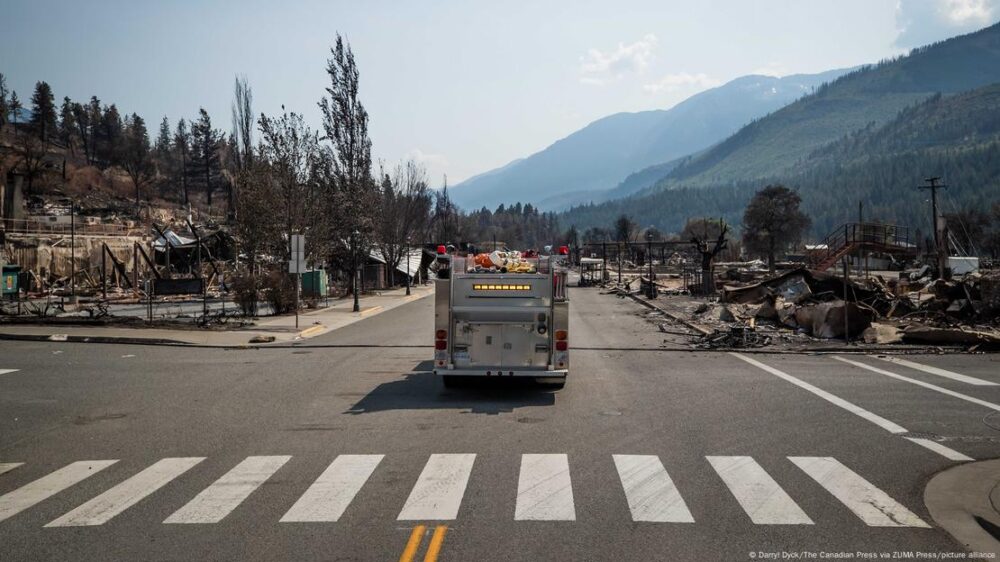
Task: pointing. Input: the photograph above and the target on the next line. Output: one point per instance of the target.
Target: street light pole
(354, 281)
(407, 266)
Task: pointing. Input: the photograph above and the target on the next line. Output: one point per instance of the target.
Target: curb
(97, 339)
(311, 331)
(962, 500)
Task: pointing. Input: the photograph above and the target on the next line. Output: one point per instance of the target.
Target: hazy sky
(465, 86)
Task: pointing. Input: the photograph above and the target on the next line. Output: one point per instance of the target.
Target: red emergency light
(441, 250)
(563, 250)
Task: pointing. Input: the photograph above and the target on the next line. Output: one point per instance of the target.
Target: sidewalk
(964, 501)
(275, 330)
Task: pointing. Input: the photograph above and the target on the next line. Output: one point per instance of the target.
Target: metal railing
(885, 237)
(39, 226)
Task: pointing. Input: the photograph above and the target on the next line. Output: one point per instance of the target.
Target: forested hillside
(774, 145)
(956, 137)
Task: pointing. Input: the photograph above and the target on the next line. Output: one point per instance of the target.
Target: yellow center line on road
(416, 537)
(436, 541)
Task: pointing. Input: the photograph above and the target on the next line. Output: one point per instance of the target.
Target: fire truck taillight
(561, 343)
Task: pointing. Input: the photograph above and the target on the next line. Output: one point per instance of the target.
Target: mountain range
(588, 164)
(871, 135)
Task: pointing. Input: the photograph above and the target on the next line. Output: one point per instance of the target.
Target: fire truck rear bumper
(536, 373)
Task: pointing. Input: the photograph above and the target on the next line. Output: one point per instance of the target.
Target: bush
(246, 293)
(279, 290)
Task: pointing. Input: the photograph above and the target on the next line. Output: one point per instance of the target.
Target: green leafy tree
(772, 222)
(352, 194)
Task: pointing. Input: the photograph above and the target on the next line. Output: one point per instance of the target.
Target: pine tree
(67, 124)
(205, 144)
(43, 111)
(163, 140)
(134, 154)
(83, 131)
(182, 148)
(110, 137)
(15, 106)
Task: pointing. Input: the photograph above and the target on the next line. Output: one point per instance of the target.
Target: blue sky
(464, 86)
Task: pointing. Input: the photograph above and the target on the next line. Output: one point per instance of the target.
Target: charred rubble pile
(912, 309)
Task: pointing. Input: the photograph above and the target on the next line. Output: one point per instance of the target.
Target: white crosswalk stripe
(222, 497)
(47, 486)
(871, 504)
(9, 466)
(759, 495)
(939, 371)
(331, 493)
(544, 489)
(651, 494)
(438, 492)
(123, 496)
(5, 371)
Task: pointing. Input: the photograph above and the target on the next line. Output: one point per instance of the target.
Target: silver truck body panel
(501, 324)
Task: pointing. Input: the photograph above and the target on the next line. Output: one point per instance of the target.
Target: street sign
(297, 245)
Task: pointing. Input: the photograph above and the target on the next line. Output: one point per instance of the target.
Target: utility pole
(649, 258)
(933, 185)
(862, 254)
(72, 250)
(407, 266)
(354, 253)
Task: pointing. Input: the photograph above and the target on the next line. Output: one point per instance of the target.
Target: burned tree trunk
(708, 251)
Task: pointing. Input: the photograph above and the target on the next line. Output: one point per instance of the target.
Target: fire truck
(501, 316)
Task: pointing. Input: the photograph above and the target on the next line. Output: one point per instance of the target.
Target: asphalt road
(351, 450)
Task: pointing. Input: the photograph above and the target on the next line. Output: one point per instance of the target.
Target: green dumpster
(314, 283)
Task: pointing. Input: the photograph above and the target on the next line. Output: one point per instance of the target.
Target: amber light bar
(484, 287)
